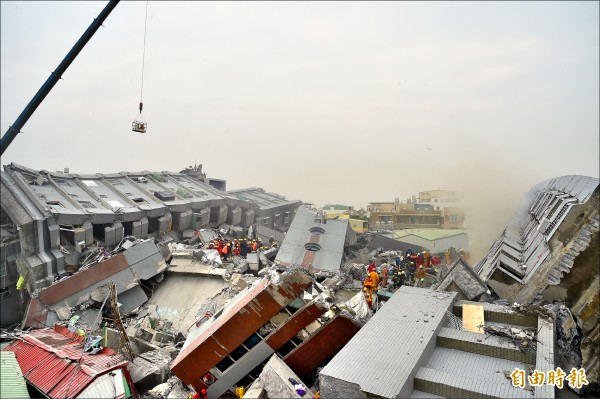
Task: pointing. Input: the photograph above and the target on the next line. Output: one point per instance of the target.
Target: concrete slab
(180, 296)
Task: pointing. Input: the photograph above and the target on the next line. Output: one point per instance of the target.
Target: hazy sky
(326, 102)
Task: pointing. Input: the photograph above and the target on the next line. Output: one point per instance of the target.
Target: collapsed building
(285, 314)
(549, 253)
(271, 210)
(314, 242)
(411, 348)
(52, 223)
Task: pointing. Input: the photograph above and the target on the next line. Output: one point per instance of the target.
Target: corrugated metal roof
(409, 320)
(53, 360)
(13, 384)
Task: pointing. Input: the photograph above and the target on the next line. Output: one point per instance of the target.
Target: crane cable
(143, 60)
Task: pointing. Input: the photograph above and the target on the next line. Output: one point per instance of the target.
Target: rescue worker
(225, 251)
(243, 248)
(372, 266)
(271, 241)
(254, 245)
(421, 274)
(368, 287)
(426, 259)
(448, 260)
(384, 275)
(375, 277)
(419, 260)
(398, 279)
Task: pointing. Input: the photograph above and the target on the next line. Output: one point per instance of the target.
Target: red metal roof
(53, 360)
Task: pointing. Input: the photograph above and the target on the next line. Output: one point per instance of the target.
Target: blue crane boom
(55, 76)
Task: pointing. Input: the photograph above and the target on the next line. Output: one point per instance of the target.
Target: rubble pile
(524, 339)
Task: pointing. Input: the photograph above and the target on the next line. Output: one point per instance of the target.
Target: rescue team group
(229, 248)
(409, 269)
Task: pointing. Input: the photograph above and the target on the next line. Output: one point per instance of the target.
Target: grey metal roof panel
(331, 241)
(409, 319)
(263, 199)
(13, 383)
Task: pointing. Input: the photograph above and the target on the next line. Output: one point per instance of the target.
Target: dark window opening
(98, 231)
(4, 293)
(214, 214)
(252, 341)
(238, 352)
(224, 364)
(286, 348)
(245, 382)
(139, 200)
(153, 225)
(127, 228)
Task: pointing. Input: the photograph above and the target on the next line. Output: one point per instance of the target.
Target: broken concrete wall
(234, 215)
(248, 218)
(218, 214)
(275, 379)
(149, 369)
(140, 228)
(335, 388)
(182, 220)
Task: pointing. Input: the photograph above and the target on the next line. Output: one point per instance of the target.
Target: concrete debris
(356, 308)
(150, 369)
(278, 379)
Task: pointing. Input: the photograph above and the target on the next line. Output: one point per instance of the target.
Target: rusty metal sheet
(324, 343)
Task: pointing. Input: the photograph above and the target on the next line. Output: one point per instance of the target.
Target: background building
(436, 209)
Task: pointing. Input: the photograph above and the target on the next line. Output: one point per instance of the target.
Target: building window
(63, 183)
(454, 218)
(4, 293)
(276, 219)
(286, 218)
(86, 204)
(265, 221)
(2, 269)
(54, 203)
(435, 200)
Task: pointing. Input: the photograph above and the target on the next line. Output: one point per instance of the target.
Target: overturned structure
(550, 253)
(271, 316)
(417, 346)
(314, 242)
(271, 210)
(50, 222)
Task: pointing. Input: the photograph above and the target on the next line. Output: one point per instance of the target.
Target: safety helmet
(203, 391)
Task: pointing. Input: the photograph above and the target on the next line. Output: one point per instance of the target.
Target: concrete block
(89, 233)
(54, 231)
(140, 228)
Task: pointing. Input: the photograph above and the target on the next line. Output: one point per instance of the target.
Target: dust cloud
(493, 188)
